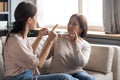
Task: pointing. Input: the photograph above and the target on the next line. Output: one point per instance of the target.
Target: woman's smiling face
(73, 26)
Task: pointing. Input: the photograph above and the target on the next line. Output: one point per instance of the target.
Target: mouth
(71, 34)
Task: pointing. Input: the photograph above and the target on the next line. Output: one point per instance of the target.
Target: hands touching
(52, 34)
(42, 32)
(47, 46)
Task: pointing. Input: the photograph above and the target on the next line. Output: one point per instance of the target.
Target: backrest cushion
(1, 63)
(101, 58)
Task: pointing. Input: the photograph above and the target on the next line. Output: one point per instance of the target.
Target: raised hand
(53, 29)
(53, 34)
(73, 37)
(76, 39)
(43, 31)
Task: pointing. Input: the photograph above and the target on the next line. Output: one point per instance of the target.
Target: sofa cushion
(1, 47)
(101, 76)
(3, 38)
(1, 63)
(101, 58)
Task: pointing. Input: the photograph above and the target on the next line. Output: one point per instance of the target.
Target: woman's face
(73, 26)
(33, 23)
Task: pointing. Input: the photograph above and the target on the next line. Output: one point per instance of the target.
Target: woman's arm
(47, 46)
(82, 52)
(81, 49)
(42, 32)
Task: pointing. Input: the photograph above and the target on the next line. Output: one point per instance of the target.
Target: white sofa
(104, 63)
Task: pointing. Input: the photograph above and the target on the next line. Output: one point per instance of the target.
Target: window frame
(90, 28)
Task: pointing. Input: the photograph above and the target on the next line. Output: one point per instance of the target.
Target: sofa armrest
(116, 63)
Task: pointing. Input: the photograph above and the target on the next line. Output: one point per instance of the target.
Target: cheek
(70, 29)
(34, 22)
(33, 25)
(78, 30)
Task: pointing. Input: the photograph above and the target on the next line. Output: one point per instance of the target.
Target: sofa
(104, 62)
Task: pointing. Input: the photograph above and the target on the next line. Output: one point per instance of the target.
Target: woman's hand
(53, 35)
(47, 46)
(73, 37)
(42, 32)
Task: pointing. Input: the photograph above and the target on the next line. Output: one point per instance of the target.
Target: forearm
(45, 51)
(42, 32)
(47, 46)
(82, 56)
(36, 43)
(82, 53)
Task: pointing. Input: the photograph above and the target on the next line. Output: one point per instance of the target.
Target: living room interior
(103, 31)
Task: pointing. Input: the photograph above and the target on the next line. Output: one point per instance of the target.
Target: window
(92, 9)
(59, 11)
(56, 11)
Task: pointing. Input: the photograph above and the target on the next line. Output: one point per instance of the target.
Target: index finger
(76, 35)
(54, 27)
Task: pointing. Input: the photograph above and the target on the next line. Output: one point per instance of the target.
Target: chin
(32, 28)
(71, 34)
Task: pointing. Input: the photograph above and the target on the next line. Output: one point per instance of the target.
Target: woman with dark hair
(20, 61)
(71, 52)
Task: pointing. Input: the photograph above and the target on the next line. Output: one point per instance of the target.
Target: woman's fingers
(53, 29)
(53, 34)
(76, 35)
(43, 31)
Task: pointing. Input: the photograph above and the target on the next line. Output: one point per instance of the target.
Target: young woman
(71, 52)
(20, 61)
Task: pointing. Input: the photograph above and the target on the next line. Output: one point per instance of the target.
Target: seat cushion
(101, 76)
(101, 58)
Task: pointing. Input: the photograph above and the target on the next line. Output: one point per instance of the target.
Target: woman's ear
(29, 20)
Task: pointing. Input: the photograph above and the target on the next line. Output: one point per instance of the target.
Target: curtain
(111, 16)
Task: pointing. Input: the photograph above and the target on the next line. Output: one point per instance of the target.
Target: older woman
(71, 52)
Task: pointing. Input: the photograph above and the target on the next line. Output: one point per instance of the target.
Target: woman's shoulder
(84, 42)
(14, 37)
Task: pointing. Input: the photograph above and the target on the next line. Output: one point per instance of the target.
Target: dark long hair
(23, 11)
(82, 24)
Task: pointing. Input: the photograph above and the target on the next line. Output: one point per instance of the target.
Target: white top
(18, 56)
(69, 57)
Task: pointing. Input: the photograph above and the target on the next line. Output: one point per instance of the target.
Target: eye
(74, 24)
